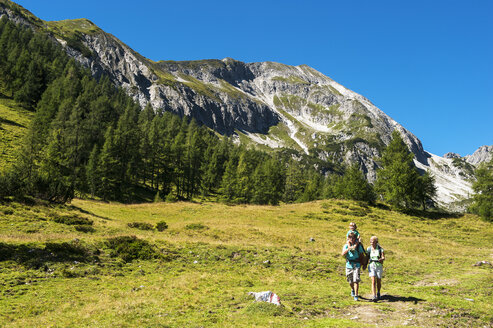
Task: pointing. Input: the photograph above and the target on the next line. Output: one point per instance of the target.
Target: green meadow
(96, 264)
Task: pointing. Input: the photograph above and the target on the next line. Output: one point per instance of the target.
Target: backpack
(363, 257)
(369, 251)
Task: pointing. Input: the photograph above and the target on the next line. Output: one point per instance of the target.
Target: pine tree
(397, 179)
(179, 160)
(355, 186)
(108, 168)
(215, 163)
(333, 186)
(194, 151)
(145, 150)
(426, 189)
(313, 187)
(93, 172)
(229, 180)
(483, 187)
(126, 141)
(275, 177)
(294, 182)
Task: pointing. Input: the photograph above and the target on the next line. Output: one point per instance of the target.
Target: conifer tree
(294, 181)
(426, 189)
(333, 186)
(355, 186)
(397, 178)
(483, 187)
(146, 117)
(108, 168)
(93, 172)
(313, 187)
(179, 160)
(194, 155)
(215, 163)
(229, 180)
(126, 138)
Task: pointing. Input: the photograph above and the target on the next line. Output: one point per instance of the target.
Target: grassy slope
(213, 254)
(14, 121)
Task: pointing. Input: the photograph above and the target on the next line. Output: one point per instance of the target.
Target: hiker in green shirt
(375, 267)
(351, 251)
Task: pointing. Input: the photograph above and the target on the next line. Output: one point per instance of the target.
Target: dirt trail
(392, 311)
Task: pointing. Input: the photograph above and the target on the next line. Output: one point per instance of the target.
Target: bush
(72, 220)
(196, 226)
(141, 225)
(161, 226)
(170, 198)
(84, 228)
(130, 248)
(8, 211)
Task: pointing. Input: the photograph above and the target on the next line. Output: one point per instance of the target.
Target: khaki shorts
(352, 275)
(375, 270)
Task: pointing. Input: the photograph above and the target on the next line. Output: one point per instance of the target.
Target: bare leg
(356, 288)
(373, 286)
(379, 284)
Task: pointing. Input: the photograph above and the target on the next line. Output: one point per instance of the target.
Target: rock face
(273, 104)
(451, 155)
(483, 154)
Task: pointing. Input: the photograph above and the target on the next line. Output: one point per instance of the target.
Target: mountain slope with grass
(107, 264)
(14, 121)
(269, 105)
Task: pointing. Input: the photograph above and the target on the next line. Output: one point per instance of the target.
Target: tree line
(90, 138)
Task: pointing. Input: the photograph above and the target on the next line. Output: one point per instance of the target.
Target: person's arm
(345, 250)
(382, 257)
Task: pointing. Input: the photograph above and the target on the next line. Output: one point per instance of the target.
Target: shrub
(196, 226)
(84, 228)
(170, 198)
(72, 220)
(130, 248)
(141, 225)
(161, 226)
(8, 211)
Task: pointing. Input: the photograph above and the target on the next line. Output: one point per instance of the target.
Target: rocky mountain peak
(451, 155)
(482, 154)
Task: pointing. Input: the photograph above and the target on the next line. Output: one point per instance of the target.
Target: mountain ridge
(269, 103)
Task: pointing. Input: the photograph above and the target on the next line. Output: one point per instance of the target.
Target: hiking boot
(355, 298)
(352, 293)
(374, 299)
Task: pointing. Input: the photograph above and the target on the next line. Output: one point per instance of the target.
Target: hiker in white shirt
(375, 267)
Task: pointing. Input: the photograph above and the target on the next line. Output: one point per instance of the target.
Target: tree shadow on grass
(89, 213)
(35, 257)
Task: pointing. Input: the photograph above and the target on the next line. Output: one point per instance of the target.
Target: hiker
(352, 251)
(352, 228)
(364, 259)
(375, 268)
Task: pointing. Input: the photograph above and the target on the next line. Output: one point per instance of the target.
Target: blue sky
(426, 63)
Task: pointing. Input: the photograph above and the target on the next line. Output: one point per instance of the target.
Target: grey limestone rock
(482, 154)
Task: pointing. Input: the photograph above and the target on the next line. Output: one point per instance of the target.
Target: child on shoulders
(352, 228)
